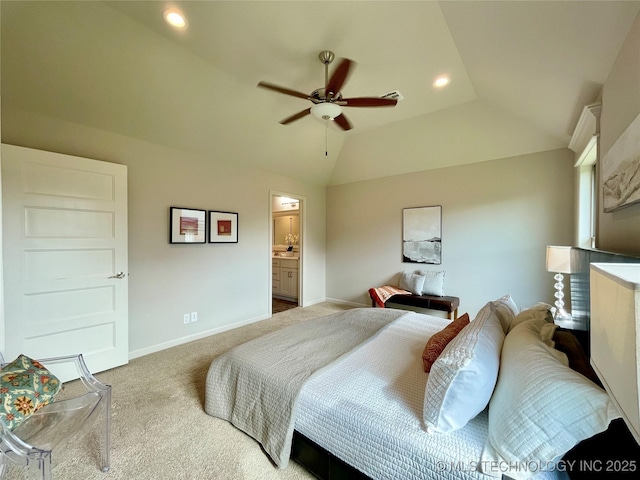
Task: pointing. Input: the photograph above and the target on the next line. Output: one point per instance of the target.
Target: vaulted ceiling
(521, 72)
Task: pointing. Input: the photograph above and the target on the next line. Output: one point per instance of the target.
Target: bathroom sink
(287, 254)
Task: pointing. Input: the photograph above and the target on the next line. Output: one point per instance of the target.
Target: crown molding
(587, 127)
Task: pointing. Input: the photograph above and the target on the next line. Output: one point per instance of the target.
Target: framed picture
(620, 170)
(187, 225)
(422, 235)
(223, 227)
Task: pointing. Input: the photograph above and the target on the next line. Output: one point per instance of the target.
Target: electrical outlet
(187, 318)
(194, 316)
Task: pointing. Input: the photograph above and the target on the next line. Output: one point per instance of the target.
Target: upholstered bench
(432, 302)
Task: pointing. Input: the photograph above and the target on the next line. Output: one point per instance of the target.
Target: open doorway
(286, 237)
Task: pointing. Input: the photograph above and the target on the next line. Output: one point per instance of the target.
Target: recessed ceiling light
(174, 18)
(441, 81)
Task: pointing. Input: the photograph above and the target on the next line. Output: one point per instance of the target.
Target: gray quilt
(255, 386)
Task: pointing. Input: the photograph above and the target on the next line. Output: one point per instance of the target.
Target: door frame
(302, 212)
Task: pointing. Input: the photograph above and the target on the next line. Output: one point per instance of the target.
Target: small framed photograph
(223, 227)
(187, 225)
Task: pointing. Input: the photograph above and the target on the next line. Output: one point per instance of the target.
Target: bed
(498, 399)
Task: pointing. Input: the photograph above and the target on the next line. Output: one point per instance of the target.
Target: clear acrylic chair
(32, 442)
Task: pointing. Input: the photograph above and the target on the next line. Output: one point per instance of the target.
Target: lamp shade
(558, 259)
(615, 335)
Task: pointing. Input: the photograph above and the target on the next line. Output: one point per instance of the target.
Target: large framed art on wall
(621, 170)
(422, 235)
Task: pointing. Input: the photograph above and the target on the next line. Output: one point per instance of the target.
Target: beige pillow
(540, 311)
(541, 408)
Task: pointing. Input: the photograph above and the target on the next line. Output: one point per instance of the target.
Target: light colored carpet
(159, 427)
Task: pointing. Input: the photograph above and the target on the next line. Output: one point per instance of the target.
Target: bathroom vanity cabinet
(285, 277)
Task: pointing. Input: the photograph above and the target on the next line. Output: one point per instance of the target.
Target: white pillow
(541, 408)
(506, 310)
(411, 282)
(433, 283)
(462, 378)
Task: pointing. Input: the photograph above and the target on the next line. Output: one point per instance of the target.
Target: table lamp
(559, 261)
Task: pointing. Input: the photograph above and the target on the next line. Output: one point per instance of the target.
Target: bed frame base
(612, 448)
(320, 462)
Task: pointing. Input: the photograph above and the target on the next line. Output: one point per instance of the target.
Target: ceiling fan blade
(367, 102)
(286, 91)
(338, 78)
(295, 117)
(342, 122)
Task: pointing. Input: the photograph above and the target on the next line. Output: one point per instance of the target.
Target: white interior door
(65, 257)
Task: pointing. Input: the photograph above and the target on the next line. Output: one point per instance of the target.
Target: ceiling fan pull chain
(326, 138)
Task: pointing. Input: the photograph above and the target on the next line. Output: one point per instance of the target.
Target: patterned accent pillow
(437, 342)
(25, 386)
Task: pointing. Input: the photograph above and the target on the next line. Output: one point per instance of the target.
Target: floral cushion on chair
(25, 386)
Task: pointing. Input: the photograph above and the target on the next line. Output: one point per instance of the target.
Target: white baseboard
(196, 336)
(314, 302)
(344, 302)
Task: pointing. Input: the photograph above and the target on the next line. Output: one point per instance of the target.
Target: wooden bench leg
(453, 315)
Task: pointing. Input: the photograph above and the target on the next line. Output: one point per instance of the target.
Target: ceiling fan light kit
(326, 111)
(328, 101)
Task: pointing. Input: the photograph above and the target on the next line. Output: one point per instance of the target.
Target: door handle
(119, 275)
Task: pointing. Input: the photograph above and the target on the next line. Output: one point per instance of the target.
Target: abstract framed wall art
(223, 227)
(187, 225)
(422, 235)
(621, 170)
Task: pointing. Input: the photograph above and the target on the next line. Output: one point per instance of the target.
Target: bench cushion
(432, 302)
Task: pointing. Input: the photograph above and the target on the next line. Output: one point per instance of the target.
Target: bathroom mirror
(283, 225)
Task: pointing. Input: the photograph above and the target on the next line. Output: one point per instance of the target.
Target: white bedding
(367, 408)
(255, 385)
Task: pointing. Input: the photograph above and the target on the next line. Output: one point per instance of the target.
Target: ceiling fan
(328, 101)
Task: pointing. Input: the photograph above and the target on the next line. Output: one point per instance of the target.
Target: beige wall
(619, 231)
(497, 218)
(227, 284)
